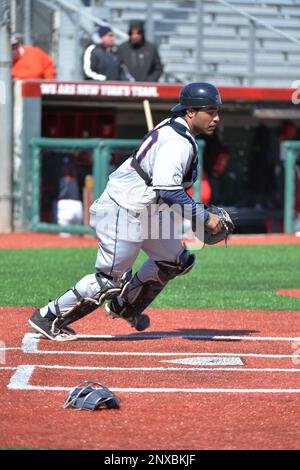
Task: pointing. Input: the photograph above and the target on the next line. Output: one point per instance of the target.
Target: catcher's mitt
(227, 223)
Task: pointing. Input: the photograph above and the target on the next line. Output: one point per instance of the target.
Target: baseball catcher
(136, 212)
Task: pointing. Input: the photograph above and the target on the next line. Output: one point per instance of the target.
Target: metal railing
(253, 22)
(71, 7)
(292, 152)
(256, 20)
(200, 70)
(101, 154)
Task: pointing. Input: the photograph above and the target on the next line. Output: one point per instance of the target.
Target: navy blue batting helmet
(198, 95)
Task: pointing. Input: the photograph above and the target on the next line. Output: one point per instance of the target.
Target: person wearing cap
(136, 212)
(30, 62)
(100, 61)
(141, 57)
(69, 204)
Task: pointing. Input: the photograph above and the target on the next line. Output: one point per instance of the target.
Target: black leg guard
(128, 312)
(145, 294)
(147, 291)
(138, 295)
(84, 305)
(80, 310)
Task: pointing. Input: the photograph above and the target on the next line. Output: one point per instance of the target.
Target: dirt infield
(229, 381)
(18, 240)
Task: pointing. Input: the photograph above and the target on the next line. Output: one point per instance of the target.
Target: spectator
(261, 168)
(30, 62)
(287, 131)
(100, 61)
(69, 205)
(140, 56)
(216, 158)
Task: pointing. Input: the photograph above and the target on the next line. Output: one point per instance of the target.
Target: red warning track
(20, 240)
(289, 292)
(197, 379)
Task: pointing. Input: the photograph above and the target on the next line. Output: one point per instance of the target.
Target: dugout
(252, 180)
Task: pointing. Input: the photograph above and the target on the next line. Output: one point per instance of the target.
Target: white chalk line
(163, 369)
(31, 340)
(10, 349)
(22, 375)
(140, 336)
(183, 336)
(20, 381)
(167, 354)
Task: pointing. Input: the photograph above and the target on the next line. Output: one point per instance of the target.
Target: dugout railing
(292, 155)
(101, 151)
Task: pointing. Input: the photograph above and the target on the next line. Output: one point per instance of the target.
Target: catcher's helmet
(198, 95)
(89, 395)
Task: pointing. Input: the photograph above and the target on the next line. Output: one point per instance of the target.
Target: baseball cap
(103, 30)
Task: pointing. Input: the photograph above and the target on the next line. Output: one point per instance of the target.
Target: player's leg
(126, 250)
(115, 257)
(167, 259)
(83, 298)
(63, 215)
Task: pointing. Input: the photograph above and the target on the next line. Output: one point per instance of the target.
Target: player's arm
(49, 71)
(213, 222)
(189, 209)
(91, 63)
(168, 173)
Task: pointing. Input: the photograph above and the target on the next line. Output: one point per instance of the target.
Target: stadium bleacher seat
(180, 28)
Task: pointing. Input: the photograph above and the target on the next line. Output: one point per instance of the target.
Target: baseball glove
(227, 223)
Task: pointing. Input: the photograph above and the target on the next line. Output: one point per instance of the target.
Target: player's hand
(214, 223)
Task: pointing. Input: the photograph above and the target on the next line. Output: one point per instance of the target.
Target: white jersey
(165, 156)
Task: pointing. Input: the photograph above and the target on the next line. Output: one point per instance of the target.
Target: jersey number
(142, 155)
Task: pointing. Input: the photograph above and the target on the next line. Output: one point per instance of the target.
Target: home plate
(209, 361)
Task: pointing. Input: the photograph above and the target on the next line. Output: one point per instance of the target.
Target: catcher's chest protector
(192, 173)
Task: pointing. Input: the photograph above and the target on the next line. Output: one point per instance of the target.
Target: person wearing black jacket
(100, 61)
(140, 56)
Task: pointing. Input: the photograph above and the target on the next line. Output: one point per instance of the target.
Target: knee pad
(184, 264)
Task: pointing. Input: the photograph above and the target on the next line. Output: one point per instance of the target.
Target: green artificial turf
(236, 277)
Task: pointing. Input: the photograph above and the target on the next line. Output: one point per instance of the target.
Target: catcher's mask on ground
(89, 395)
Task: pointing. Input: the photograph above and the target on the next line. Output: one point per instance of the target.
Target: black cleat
(138, 321)
(45, 326)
